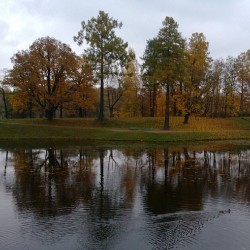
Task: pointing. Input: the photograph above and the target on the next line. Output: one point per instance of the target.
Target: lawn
(129, 129)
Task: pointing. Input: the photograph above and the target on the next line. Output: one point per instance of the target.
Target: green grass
(131, 129)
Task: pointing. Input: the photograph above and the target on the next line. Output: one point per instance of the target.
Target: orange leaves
(49, 75)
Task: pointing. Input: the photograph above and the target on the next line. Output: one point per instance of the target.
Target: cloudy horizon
(224, 23)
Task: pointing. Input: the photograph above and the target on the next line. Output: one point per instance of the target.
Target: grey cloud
(224, 22)
(3, 29)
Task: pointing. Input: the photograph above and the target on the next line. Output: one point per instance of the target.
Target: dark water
(125, 198)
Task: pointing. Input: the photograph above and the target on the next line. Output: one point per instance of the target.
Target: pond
(125, 197)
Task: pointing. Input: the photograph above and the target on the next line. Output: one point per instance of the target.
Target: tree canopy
(45, 75)
(163, 59)
(106, 52)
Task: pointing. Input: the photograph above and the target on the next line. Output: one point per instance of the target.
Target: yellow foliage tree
(130, 101)
(46, 75)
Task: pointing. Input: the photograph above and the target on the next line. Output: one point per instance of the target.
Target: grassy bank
(131, 129)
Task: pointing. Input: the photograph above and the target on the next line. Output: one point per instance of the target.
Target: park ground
(126, 130)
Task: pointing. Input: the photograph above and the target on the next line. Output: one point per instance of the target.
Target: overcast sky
(225, 23)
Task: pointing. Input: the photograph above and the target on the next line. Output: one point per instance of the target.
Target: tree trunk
(101, 111)
(175, 108)
(80, 112)
(142, 105)
(151, 103)
(242, 99)
(154, 101)
(61, 111)
(30, 111)
(5, 104)
(50, 113)
(111, 112)
(225, 109)
(110, 104)
(181, 92)
(166, 123)
(186, 118)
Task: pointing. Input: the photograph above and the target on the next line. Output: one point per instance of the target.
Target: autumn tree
(44, 74)
(149, 67)
(4, 99)
(198, 64)
(20, 78)
(114, 90)
(230, 83)
(84, 97)
(171, 59)
(243, 74)
(168, 53)
(213, 92)
(105, 50)
(3, 88)
(131, 99)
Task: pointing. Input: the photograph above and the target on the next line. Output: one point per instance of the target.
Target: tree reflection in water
(100, 194)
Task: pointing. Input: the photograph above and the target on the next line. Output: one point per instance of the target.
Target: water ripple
(168, 231)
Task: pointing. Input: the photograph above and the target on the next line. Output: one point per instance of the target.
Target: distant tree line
(177, 77)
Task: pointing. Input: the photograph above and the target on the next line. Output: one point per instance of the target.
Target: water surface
(125, 198)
